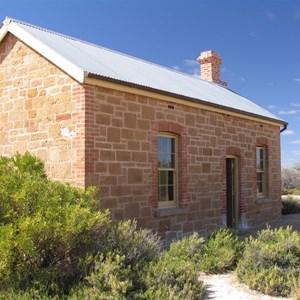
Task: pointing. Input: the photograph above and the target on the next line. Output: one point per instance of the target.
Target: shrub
(270, 262)
(47, 228)
(138, 247)
(188, 248)
(174, 275)
(290, 205)
(221, 251)
(109, 279)
(26, 295)
(172, 278)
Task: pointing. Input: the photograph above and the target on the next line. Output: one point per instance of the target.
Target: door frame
(234, 195)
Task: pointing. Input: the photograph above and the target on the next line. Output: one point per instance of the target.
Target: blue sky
(259, 42)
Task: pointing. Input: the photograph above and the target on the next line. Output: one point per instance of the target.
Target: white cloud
(193, 67)
(297, 79)
(288, 132)
(289, 112)
(296, 104)
(190, 62)
(253, 34)
(271, 106)
(296, 152)
(270, 15)
(295, 142)
(242, 78)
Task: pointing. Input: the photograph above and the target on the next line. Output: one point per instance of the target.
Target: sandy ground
(286, 220)
(226, 286)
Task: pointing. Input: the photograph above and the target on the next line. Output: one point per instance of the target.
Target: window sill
(264, 200)
(168, 211)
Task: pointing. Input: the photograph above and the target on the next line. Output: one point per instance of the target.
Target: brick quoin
(94, 135)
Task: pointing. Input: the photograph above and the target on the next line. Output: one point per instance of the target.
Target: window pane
(162, 177)
(259, 183)
(170, 177)
(172, 163)
(166, 152)
(171, 192)
(162, 195)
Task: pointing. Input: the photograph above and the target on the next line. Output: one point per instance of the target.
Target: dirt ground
(226, 286)
(285, 220)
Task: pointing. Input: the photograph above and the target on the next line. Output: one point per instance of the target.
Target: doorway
(232, 189)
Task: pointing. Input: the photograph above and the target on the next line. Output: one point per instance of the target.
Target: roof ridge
(106, 49)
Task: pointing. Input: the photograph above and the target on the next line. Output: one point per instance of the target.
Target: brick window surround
(180, 132)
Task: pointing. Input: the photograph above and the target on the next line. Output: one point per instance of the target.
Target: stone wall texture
(41, 111)
(88, 134)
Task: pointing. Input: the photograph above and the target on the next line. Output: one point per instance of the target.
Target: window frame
(262, 171)
(168, 203)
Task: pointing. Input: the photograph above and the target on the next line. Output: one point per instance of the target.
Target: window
(167, 169)
(261, 170)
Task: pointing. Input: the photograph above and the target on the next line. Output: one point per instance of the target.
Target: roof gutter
(199, 101)
(284, 128)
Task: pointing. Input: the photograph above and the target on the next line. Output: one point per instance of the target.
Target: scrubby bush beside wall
(46, 228)
(271, 262)
(175, 275)
(290, 205)
(56, 244)
(221, 252)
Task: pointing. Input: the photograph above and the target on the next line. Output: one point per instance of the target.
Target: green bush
(290, 205)
(109, 279)
(172, 278)
(221, 251)
(271, 262)
(46, 228)
(188, 248)
(30, 294)
(138, 247)
(175, 275)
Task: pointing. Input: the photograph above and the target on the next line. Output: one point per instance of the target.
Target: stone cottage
(175, 152)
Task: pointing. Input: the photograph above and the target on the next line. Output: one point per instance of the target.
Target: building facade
(174, 165)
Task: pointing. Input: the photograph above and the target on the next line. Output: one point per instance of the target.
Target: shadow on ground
(285, 220)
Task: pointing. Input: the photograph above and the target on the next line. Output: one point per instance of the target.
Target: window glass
(166, 146)
(261, 171)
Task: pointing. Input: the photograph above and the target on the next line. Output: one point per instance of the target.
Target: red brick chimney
(210, 62)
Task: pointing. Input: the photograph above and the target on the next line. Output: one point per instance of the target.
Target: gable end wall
(41, 111)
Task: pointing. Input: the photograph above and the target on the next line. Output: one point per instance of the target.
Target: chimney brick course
(210, 66)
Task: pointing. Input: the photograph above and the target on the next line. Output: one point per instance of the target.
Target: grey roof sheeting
(99, 62)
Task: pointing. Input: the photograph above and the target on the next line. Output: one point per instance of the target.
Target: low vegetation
(271, 262)
(221, 252)
(55, 243)
(290, 205)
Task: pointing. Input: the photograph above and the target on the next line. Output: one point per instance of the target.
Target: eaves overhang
(214, 106)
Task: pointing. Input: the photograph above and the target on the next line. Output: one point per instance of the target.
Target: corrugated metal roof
(90, 58)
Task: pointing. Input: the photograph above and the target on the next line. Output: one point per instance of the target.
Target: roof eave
(60, 61)
(225, 108)
(3, 31)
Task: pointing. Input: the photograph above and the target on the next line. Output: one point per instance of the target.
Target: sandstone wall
(41, 111)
